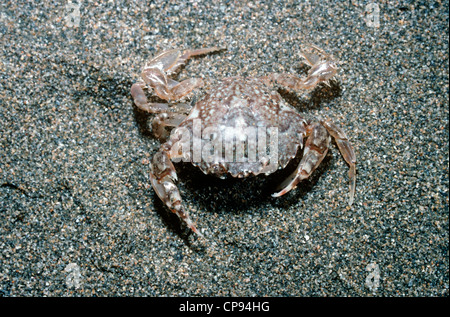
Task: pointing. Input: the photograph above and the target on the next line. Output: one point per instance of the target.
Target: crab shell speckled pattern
(239, 103)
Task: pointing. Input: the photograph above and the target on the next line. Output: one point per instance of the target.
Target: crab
(242, 127)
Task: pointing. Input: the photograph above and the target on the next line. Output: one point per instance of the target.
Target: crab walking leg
(346, 149)
(321, 71)
(156, 73)
(167, 88)
(164, 120)
(140, 100)
(170, 61)
(163, 177)
(316, 148)
(166, 117)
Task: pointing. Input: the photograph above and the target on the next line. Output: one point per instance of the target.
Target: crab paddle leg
(163, 177)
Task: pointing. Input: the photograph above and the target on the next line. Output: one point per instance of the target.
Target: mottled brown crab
(241, 127)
